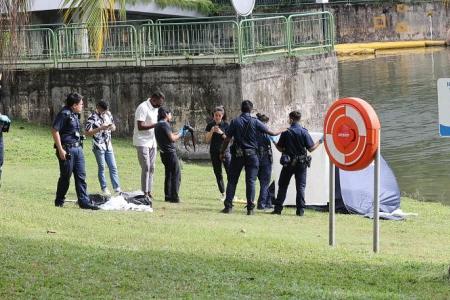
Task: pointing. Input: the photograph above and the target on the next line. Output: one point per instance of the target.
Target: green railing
(180, 42)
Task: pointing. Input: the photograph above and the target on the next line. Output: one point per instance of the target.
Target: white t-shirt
(148, 114)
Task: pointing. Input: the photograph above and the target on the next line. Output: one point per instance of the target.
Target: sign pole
(332, 210)
(376, 198)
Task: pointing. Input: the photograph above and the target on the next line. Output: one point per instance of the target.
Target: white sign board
(443, 89)
(317, 177)
(243, 7)
(321, 1)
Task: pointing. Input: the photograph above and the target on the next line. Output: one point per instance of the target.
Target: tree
(12, 19)
(97, 14)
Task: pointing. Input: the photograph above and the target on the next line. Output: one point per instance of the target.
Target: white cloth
(148, 114)
(119, 203)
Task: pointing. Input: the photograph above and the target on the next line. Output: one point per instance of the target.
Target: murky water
(402, 89)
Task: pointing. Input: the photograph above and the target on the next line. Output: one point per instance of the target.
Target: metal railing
(147, 43)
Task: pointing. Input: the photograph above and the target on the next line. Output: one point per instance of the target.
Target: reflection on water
(402, 89)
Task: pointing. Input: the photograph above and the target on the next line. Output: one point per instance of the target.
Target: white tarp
(317, 178)
(119, 203)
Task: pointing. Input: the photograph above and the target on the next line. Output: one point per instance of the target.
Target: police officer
(4, 126)
(265, 166)
(294, 142)
(244, 153)
(66, 132)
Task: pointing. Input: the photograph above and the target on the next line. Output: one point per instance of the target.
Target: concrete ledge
(371, 48)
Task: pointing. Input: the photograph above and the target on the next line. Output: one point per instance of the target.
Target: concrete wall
(382, 21)
(276, 87)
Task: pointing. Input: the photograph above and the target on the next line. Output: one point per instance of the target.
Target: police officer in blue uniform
(244, 154)
(293, 143)
(265, 166)
(66, 132)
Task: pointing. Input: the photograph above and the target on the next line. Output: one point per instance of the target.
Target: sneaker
(106, 192)
(118, 190)
(227, 210)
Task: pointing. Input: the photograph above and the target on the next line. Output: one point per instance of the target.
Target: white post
(331, 205)
(376, 198)
(431, 26)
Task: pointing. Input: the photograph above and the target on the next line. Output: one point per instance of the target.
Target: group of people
(251, 149)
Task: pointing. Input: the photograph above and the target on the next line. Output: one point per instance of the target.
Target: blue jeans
(76, 166)
(264, 176)
(107, 156)
(251, 164)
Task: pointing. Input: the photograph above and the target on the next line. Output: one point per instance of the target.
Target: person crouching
(166, 147)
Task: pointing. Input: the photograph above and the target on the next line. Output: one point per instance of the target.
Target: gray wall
(276, 87)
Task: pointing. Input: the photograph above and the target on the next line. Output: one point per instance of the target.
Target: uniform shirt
(148, 114)
(162, 133)
(295, 140)
(102, 139)
(216, 139)
(245, 136)
(67, 123)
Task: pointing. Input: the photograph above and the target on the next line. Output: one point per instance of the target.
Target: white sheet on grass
(119, 203)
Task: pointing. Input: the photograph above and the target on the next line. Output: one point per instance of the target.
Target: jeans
(76, 166)
(264, 176)
(251, 164)
(300, 183)
(107, 156)
(217, 167)
(173, 176)
(146, 157)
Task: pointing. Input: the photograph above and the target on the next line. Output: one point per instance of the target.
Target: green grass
(190, 250)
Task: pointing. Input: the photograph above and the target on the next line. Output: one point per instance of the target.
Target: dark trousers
(300, 183)
(1, 156)
(251, 164)
(217, 167)
(173, 176)
(76, 166)
(264, 176)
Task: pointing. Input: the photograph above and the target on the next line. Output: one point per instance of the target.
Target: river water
(401, 86)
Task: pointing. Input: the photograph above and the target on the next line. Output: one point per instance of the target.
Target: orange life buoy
(351, 132)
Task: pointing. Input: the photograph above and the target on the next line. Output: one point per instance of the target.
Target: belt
(72, 145)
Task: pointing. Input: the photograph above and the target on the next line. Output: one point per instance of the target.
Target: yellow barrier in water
(371, 48)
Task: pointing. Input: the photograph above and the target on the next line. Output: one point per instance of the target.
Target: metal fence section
(74, 45)
(195, 41)
(34, 47)
(311, 33)
(201, 41)
(263, 36)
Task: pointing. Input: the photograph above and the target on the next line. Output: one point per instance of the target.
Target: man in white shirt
(145, 119)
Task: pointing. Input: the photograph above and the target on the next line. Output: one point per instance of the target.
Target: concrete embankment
(371, 48)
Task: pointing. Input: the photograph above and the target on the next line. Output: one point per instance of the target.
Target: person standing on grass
(166, 146)
(99, 125)
(145, 120)
(265, 166)
(215, 134)
(294, 142)
(66, 133)
(4, 126)
(243, 130)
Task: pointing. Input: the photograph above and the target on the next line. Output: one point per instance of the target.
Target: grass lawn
(190, 250)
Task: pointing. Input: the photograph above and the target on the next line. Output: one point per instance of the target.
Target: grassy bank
(189, 250)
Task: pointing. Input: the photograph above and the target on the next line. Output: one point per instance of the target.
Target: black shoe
(59, 204)
(227, 210)
(276, 212)
(300, 213)
(260, 208)
(175, 200)
(250, 212)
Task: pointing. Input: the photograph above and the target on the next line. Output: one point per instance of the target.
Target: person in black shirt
(294, 142)
(215, 134)
(166, 146)
(265, 165)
